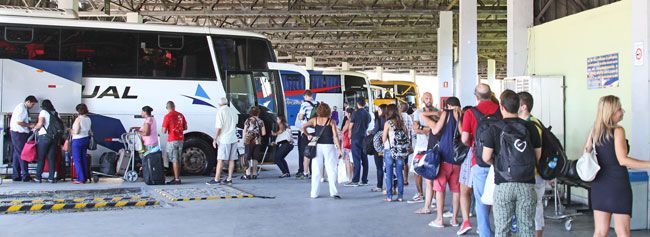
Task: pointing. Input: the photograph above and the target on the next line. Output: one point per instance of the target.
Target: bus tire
(198, 157)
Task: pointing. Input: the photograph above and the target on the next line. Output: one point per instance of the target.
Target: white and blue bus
(126, 66)
(334, 87)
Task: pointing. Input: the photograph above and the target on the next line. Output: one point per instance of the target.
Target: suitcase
(108, 163)
(123, 161)
(73, 171)
(153, 171)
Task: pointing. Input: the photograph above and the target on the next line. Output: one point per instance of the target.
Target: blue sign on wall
(602, 71)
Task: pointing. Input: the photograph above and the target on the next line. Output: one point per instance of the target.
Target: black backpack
(483, 123)
(515, 159)
(553, 162)
(55, 128)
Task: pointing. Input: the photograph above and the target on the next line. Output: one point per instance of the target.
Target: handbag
(310, 149)
(460, 149)
(427, 163)
(587, 166)
(29, 153)
(488, 190)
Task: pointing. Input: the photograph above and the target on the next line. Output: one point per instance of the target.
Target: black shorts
(252, 151)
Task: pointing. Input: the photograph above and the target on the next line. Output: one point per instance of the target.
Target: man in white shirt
(421, 141)
(303, 116)
(19, 128)
(225, 141)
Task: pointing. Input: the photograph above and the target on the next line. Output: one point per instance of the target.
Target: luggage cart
(128, 140)
(559, 209)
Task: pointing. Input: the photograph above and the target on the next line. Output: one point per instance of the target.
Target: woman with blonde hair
(608, 138)
(327, 146)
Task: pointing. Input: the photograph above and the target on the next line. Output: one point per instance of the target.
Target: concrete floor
(291, 213)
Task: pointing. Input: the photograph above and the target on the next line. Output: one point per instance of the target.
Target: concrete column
(520, 18)
(640, 114)
(446, 54)
(412, 75)
(491, 70)
(133, 17)
(309, 63)
(345, 66)
(380, 73)
(69, 5)
(468, 52)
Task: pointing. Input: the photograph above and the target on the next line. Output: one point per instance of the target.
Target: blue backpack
(427, 163)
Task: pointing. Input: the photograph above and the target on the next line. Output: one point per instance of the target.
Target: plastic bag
(342, 172)
(488, 190)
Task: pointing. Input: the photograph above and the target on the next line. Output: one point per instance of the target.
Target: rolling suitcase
(123, 161)
(153, 171)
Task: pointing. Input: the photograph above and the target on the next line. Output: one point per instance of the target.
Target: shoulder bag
(587, 166)
(310, 149)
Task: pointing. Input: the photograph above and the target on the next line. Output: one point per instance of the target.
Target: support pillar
(380, 73)
(446, 54)
(468, 56)
(640, 115)
(309, 63)
(520, 18)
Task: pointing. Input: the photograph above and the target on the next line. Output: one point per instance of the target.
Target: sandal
(400, 200)
(388, 200)
(376, 189)
(423, 211)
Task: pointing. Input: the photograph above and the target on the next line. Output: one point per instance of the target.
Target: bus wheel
(198, 157)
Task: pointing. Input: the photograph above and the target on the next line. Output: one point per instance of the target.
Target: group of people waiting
(519, 189)
(78, 137)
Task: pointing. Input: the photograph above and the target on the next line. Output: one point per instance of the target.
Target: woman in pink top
(148, 131)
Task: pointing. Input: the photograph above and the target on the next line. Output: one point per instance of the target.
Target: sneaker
(351, 184)
(174, 182)
(465, 228)
(228, 182)
(36, 180)
(375, 189)
(28, 179)
(16, 179)
(363, 184)
(298, 174)
(417, 198)
(323, 180)
(301, 177)
(447, 214)
(436, 225)
(213, 182)
(287, 175)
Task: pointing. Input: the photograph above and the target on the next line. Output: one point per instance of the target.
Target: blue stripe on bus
(65, 69)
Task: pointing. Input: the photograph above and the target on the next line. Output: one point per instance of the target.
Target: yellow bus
(392, 92)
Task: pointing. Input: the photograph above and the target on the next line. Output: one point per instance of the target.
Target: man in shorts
(174, 125)
(225, 141)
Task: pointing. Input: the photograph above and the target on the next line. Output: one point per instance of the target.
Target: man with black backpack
(304, 114)
(513, 145)
(525, 106)
(475, 121)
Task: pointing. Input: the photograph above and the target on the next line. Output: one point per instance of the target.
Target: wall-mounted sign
(639, 54)
(602, 71)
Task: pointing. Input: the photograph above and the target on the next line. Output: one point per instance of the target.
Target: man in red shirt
(174, 125)
(478, 174)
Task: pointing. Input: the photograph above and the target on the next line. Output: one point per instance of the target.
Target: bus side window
(229, 54)
(103, 53)
(29, 43)
(259, 54)
(175, 56)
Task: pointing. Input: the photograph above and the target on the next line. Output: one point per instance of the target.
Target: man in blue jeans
(19, 129)
(359, 122)
(478, 173)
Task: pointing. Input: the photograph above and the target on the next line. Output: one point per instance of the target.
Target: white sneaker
(447, 214)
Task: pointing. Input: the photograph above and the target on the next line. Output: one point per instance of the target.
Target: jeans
(379, 164)
(398, 170)
(20, 167)
(479, 175)
(46, 148)
(79, 151)
(281, 152)
(360, 159)
(302, 143)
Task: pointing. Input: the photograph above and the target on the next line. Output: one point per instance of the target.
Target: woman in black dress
(611, 194)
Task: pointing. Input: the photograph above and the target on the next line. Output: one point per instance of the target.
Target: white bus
(334, 87)
(127, 66)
